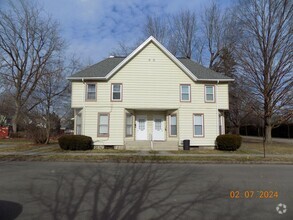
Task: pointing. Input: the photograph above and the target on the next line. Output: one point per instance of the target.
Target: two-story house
(150, 96)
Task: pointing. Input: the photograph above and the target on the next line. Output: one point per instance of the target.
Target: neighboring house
(149, 95)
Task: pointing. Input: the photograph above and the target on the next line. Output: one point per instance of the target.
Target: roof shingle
(104, 67)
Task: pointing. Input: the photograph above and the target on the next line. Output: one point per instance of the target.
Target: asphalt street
(77, 190)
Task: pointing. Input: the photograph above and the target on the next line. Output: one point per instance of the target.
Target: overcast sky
(93, 28)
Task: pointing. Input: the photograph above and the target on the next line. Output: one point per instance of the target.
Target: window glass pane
(141, 124)
(198, 120)
(91, 91)
(198, 130)
(185, 89)
(103, 129)
(185, 96)
(91, 87)
(116, 95)
(129, 130)
(173, 130)
(158, 124)
(209, 89)
(116, 87)
(103, 119)
(129, 119)
(173, 120)
(129, 124)
(210, 97)
(91, 96)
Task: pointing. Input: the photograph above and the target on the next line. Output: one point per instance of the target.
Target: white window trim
(86, 93)
(127, 135)
(205, 93)
(170, 125)
(112, 92)
(202, 125)
(108, 125)
(189, 92)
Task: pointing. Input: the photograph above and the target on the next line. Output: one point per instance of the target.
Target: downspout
(217, 110)
(83, 109)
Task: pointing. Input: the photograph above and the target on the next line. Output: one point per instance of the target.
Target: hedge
(75, 142)
(228, 142)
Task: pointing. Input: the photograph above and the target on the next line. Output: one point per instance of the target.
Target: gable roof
(108, 67)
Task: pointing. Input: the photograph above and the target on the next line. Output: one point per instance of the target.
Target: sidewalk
(278, 140)
(141, 153)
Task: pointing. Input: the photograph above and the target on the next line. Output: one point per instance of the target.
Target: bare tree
(52, 94)
(265, 57)
(157, 27)
(217, 28)
(29, 41)
(184, 27)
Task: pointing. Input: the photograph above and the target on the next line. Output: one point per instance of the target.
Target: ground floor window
(198, 125)
(103, 124)
(173, 125)
(78, 123)
(129, 125)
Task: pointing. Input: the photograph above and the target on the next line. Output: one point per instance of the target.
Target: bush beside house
(75, 142)
(228, 142)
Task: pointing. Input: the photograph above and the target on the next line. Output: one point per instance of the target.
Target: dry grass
(150, 158)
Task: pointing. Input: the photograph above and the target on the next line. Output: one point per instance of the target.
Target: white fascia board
(216, 80)
(86, 78)
(159, 45)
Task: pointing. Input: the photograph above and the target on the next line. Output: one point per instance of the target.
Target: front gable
(151, 44)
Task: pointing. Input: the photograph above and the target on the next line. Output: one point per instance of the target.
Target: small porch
(151, 130)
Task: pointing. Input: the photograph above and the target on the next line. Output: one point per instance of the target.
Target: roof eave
(85, 78)
(216, 80)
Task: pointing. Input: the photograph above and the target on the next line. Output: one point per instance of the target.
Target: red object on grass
(4, 132)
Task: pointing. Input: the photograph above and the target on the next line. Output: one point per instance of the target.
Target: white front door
(159, 128)
(141, 127)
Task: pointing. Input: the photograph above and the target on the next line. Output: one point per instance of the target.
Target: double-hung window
(103, 124)
(210, 93)
(198, 124)
(116, 92)
(185, 93)
(91, 91)
(129, 125)
(173, 125)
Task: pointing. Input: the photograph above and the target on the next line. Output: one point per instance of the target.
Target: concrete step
(146, 145)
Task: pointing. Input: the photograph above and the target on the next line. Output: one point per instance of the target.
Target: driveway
(67, 190)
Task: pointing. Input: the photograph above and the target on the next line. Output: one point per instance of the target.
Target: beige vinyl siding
(116, 125)
(210, 127)
(77, 94)
(223, 96)
(150, 81)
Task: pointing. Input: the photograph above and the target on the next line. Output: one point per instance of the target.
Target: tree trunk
(268, 133)
(48, 126)
(237, 129)
(15, 119)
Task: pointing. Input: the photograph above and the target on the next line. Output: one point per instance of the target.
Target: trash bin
(186, 144)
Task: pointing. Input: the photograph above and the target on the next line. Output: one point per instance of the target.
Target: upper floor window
(91, 91)
(185, 93)
(116, 92)
(210, 93)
